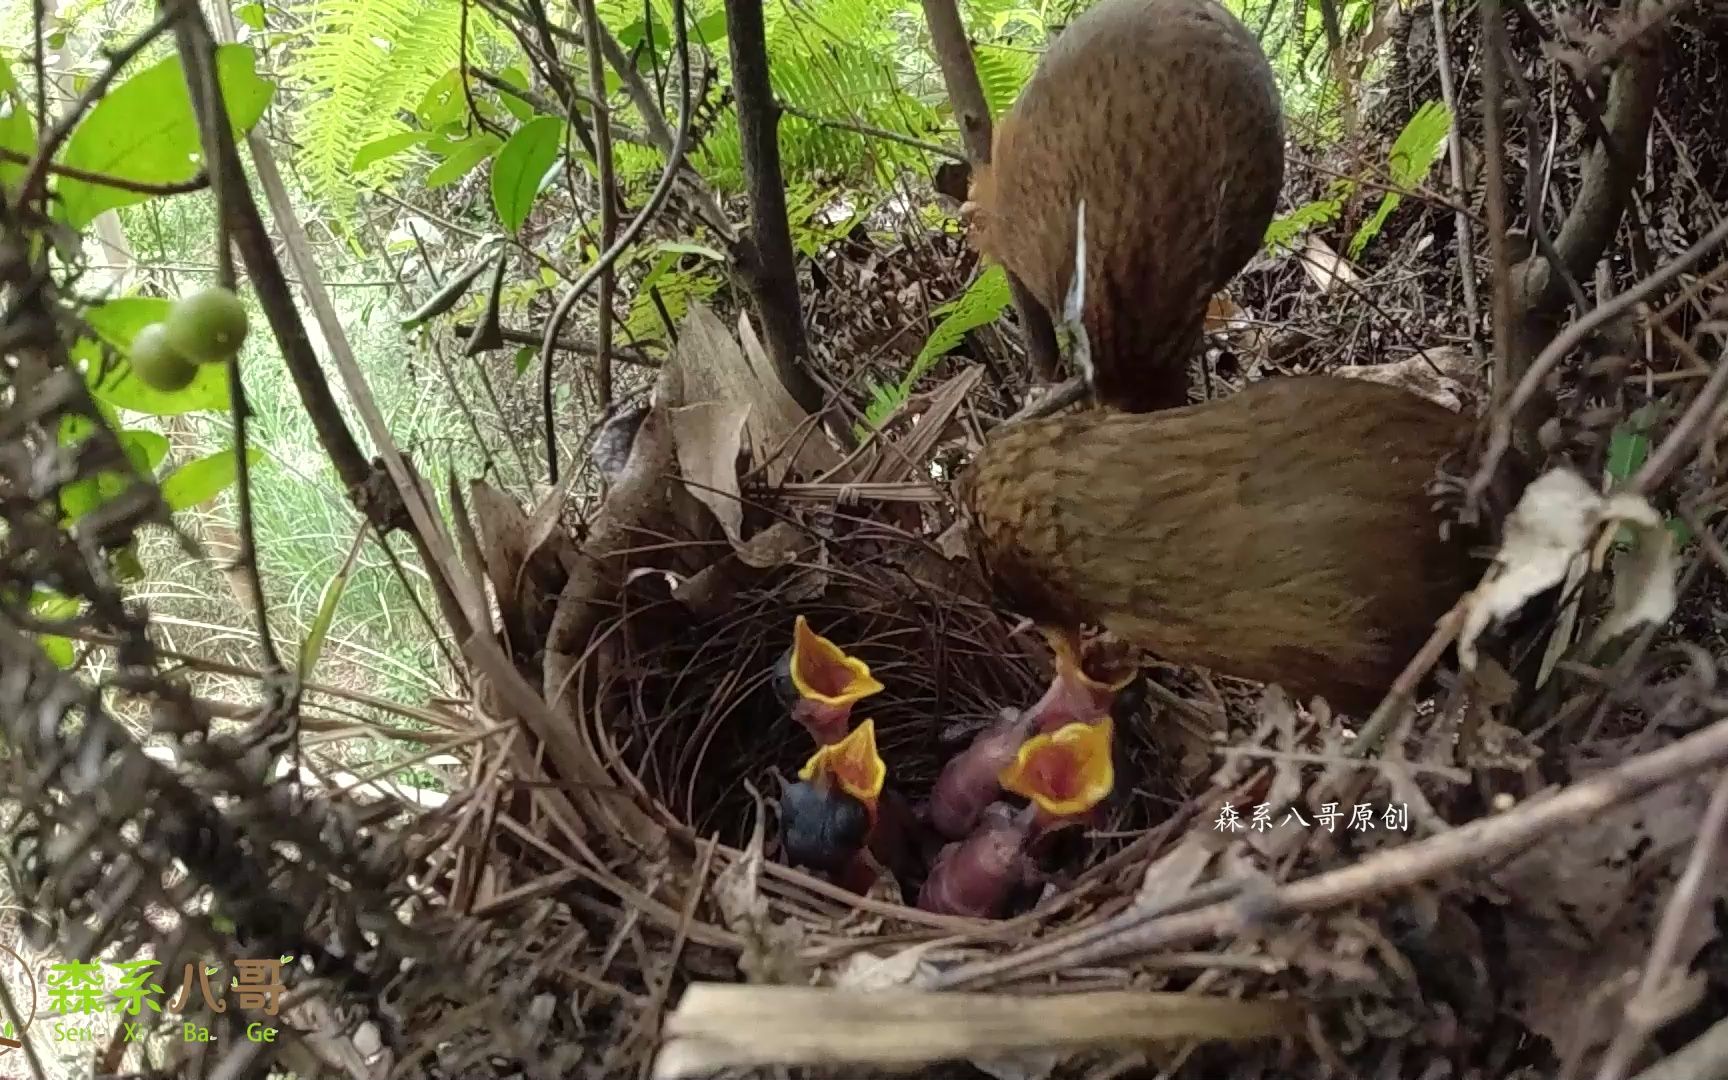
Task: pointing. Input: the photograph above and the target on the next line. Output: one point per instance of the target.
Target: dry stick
(197, 61)
(960, 76)
(1500, 435)
(1647, 1011)
(1497, 837)
(30, 186)
(873, 132)
(1691, 427)
(608, 200)
(765, 256)
(1493, 137)
(656, 198)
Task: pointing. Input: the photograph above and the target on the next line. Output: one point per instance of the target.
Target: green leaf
(681, 248)
(116, 322)
(524, 356)
(1418, 146)
(1629, 445)
(388, 147)
(1414, 152)
(979, 305)
(201, 480)
(521, 169)
(1284, 231)
(17, 131)
(50, 606)
(146, 449)
(712, 27)
(443, 102)
(144, 131)
(515, 106)
(327, 604)
(461, 158)
(251, 14)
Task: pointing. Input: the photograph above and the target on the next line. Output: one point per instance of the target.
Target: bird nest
(696, 720)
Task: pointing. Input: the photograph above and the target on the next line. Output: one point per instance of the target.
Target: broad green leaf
(711, 28)
(17, 131)
(251, 14)
(521, 168)
(443, 102)
(388, 146)
(518, 108)
(202, 480)
(116, 322)
(146, 449)
(460, 158)
(524, 356)
(1629, 445)
(144, 131)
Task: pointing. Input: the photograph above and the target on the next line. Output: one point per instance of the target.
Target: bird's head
(820, 682)
(851, 766)
(1065, 772)
(1088, 677)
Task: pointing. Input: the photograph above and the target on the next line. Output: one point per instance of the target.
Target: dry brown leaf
(707, 437)
(1552, 526)
(771, 948)
(719, 1026)
(1174, 876)
(872, 971)
(1440, 375)
(1325, 267)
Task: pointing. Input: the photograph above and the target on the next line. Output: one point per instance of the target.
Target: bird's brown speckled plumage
(1163, 115)
(1282, 533)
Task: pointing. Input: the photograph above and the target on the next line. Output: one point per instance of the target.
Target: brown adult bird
(1283, 533)
(1163, 117)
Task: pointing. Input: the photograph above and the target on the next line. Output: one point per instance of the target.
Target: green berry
(207, 327)
(158, 363)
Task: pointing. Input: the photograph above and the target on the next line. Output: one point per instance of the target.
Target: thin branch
(197, 183)
(874, 132)
(1704, 1058)
(1500, 432)
(1455, 164)
(1495, 837)
(30, 188)
(966, 95)
(766, 260)
(674, 161)
(608, 201)
(1645, 1011)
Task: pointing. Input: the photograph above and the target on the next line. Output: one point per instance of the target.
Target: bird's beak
(824, 682)
(853, 764)
(1065, 772)
(1075, 696)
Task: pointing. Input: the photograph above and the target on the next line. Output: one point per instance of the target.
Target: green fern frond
(367, 62)
(1003, 72)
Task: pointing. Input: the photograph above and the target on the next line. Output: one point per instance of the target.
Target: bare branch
(765, 258)
(966, 94)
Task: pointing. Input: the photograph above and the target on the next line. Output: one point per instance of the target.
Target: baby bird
(820, 683)
(828, 817)
(978, 876)
(970, 782)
